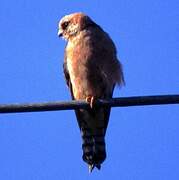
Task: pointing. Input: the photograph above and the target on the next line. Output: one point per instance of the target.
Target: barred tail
(93, 124)
(94, 151)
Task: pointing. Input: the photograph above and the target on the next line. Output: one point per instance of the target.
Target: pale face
(71, 24)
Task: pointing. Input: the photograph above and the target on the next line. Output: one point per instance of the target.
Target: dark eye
(65, 24)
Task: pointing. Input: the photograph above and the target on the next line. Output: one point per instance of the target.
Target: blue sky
(142, 142)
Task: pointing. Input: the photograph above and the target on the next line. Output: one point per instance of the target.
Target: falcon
(91, 70)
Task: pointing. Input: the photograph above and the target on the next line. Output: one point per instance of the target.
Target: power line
(69, 105)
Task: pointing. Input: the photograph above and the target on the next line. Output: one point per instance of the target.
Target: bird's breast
(76, 64)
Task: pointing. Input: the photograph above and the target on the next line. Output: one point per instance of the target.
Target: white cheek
(73, 29)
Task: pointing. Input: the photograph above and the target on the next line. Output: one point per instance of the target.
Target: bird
(91, 69)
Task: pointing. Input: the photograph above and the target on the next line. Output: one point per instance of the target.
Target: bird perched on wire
(91, 70)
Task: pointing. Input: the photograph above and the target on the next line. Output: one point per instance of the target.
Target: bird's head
(72, 24)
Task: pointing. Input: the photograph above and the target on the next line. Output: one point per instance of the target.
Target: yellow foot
(91, 100)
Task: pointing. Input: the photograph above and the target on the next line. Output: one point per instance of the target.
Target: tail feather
(94, 151)
(93, 124)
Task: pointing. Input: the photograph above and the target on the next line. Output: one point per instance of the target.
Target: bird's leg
(91, 100)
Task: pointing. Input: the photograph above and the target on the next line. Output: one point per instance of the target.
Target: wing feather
(67, 76)
(79, 115)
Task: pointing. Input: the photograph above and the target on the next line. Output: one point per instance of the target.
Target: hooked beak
(60, 33)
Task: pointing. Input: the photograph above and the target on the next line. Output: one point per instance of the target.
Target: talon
(88, 99)
(92, 103)
(91, 100)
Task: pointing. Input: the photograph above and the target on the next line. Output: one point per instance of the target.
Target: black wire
(69, 105)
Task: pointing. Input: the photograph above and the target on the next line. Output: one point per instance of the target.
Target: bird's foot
(91, 100)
